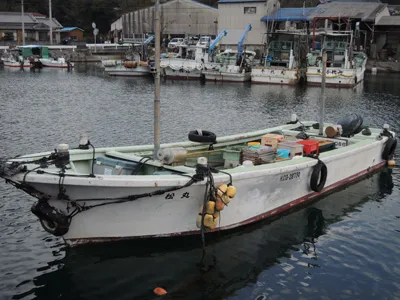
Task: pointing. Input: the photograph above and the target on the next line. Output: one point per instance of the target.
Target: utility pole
(51, 24)
(23, 24)
(157, 82)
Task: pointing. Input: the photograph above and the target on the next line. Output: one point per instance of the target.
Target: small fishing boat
(129, 69)
(232, 65)
(92, 195)
(14, 63)
(282, 62)
(186, 62)
(135, 65)
(14, 59)
(89, 196)
(59, 62)
(345, 68)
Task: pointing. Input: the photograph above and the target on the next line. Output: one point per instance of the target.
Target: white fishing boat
(186, 62)
(206, 184)
(116, 193)
(282, 62)
(345, 68)
(14, 63)
(14, 59)
(129, 69)
(232, 65)
(59, 62)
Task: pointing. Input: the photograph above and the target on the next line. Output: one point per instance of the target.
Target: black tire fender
(52, 221)
(202, 136)
(390, 147)
(318, 176)
(53, 227)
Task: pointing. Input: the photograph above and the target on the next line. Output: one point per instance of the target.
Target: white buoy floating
(374, 71)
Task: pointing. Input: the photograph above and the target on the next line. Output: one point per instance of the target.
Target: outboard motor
(351, 125)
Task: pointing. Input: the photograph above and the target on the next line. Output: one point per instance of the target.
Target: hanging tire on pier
(51, 220)
(318, 176)
(390, 147)
(202, 136)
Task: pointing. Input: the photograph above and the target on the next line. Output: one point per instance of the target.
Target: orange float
(159, 291)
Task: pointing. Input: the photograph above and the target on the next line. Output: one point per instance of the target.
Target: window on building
(250, 10)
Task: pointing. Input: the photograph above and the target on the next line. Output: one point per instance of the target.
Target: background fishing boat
(282, 63)
(234, 69)
(345, 68)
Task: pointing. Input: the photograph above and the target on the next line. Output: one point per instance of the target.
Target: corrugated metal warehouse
(178, 17)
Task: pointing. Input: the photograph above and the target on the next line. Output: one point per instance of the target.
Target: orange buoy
(159, 291)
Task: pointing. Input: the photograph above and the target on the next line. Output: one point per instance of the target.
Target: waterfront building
(37, 27)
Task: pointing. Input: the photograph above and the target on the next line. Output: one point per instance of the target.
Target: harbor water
(344, 246)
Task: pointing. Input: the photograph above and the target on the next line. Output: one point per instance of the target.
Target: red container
(310, 146)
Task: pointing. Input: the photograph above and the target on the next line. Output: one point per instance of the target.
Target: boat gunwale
(244, 172)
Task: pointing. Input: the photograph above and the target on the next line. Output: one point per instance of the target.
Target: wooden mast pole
(157, 82)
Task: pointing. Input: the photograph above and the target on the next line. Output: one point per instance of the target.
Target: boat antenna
(322, 107)
(51, 23)
(157, 82)
(23, 24)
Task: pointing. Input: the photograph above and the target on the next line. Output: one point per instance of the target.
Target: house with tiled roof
(37, 27)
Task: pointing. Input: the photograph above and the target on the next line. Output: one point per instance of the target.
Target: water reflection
(386, 182)
(131, 270)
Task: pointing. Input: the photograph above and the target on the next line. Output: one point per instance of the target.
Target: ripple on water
(353, 252)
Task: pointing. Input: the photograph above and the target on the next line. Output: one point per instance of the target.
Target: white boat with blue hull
(122, 193)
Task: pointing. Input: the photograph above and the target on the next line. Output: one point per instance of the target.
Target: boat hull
(181, 74)
(26, 65)
(73, 240)
(336, 77)
(181, 69)
(129, 72)
(55, 64)
(274, 76)
(262, 191)
(227, 76)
